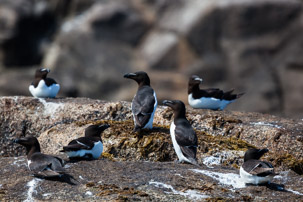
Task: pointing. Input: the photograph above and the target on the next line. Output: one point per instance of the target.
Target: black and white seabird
(254, 171)
(41, 165)
(212, 98)
(88, 147)
(144, 103)
(43, 87)
(183, 135)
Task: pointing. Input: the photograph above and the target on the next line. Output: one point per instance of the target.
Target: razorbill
(144, 103)
(183, 136)
(254, 171)
(43, 87)
(41, 165)
(88, 147)
(212, 98)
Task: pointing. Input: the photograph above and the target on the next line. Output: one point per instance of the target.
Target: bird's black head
(177, 106)
(41, 73)
(254, 154)
(140, 77)
(194, 79)
(95, 130)
(193, 82)
(30, 143)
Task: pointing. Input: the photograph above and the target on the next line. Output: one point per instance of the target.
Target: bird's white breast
(177, 148)
(208, 103)
(253, 179)
(43, 91)
(28, 163)
(149, 124)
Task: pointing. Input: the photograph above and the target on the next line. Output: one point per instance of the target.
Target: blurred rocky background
(254, 46)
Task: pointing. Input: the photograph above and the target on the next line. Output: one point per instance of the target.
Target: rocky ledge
(140, 166)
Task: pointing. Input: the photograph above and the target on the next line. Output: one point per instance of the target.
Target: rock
(181, 16)
(104, 179)
(26, 27)
(95, 36)
(109, 20)
(140, 166)
(159, 50)
(224, 134)
(246, 44)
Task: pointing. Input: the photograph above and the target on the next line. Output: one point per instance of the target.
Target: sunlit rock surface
(141, 165)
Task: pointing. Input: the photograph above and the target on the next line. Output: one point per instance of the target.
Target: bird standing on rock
(183, 136)
(144, 103)
(41, 165)
(255, 171)
(88, 147)
(43, 87)
(212, 98)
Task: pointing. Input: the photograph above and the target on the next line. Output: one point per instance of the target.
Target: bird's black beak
(167, 102)
(104, 127)
(265, 150)
(16, 140)
(129, 75)
(45, 70)
(198, 80)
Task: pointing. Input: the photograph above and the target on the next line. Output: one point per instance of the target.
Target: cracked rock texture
(140, 166)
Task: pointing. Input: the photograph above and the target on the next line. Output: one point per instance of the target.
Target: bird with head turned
(42, 86)
(254, 171)
(212, 98)
(88, 147)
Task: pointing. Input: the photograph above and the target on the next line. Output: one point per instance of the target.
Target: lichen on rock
(223, 137)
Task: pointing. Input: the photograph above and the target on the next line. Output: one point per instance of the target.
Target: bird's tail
(240, 95)
(194, 162)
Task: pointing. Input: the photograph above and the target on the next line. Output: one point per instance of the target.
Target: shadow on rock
(276, 187)
(64, 178)
(271, 186)
(77, 159)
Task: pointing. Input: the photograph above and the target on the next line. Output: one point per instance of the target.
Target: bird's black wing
(46, 165)
(143, 105)
(186, 139)
(49, 81)
(229, 96)
(258, 168)
(210, 92)
(214, 92)
(78, 144)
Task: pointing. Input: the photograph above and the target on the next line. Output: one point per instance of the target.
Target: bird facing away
(183, 136)
(88, 147)
(144, 103)
(212, 98)
(43, 87)
(255, 171)
(41, 165)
